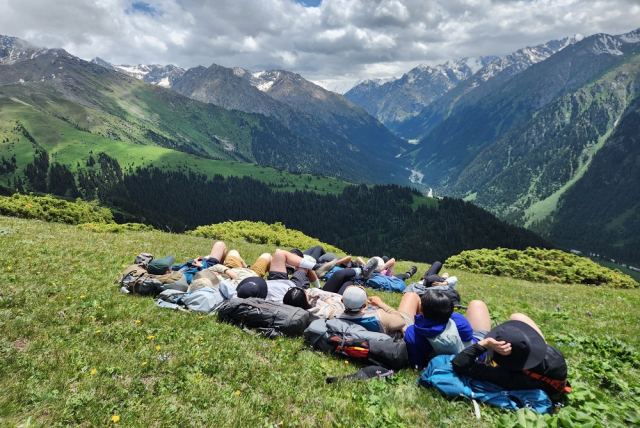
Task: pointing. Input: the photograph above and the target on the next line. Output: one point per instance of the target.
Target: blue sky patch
(143, 7)
(309, 3)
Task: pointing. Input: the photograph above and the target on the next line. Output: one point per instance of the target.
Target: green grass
(74, 351)
(70, 146)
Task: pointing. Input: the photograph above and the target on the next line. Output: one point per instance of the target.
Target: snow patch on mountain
(607, 45)
(632, 37)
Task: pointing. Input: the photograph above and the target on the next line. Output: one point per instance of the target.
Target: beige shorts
(407, 321)
(260, 266)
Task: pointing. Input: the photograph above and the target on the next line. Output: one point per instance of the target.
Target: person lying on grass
(438, 330)
(278, 282)
(375, 315)
(523, 357)
(320, 304)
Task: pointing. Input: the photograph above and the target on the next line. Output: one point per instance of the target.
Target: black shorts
(299, 278)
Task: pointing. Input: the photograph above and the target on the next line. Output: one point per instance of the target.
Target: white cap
(354, 298)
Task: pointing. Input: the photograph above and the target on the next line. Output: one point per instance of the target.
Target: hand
(375, 301)
(501, 347)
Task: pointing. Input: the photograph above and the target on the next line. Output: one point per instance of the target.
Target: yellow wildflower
(237, 392)
(158, 348)
(83, 297)
(150, 337)
(94, 371)
(98, 331)
(144, 363)
(115, 418)
(138, 321)
(346, 362)
(8, 267)
(68, 297)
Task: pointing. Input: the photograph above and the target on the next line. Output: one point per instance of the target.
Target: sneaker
(369, 268)
(412, 270)
(325, 268)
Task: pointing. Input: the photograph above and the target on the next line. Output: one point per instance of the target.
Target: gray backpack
(204, 300)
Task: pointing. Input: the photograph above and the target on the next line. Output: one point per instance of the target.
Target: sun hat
(199, 283)
(354, 298)
(380, 263)
(208, 274)
(528, 348)
(254, 286)
(160, 266)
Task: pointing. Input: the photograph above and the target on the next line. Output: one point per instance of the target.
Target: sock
(316, 283)
(358, 271)
(306, 264)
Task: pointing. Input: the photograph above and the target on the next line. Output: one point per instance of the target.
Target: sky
(325, 41)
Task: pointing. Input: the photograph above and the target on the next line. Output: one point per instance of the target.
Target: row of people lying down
(428, 323)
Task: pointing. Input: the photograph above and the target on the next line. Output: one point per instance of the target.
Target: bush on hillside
(115, 228)
(261, 233)
(538, 265)
(48, 208)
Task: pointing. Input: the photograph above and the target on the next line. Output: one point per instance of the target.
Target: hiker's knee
(266, 256)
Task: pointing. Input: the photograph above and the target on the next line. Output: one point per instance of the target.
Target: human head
(430, 280)
(528, 348)
(296, 252)
(436, 306)
(253, 286)
(354, 298)
(296, 297)
(160, 266)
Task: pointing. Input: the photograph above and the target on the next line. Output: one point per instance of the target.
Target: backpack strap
(559, 385)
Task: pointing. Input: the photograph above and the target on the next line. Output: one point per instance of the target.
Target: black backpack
(270, 318)
(338, 336)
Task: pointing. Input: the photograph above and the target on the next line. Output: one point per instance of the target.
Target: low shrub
(538, 265)
(48, 208)
(260, 233)
(115, 228)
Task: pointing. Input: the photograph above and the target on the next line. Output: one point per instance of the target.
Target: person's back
(437, 330)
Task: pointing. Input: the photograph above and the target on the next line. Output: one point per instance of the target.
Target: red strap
(558, 385)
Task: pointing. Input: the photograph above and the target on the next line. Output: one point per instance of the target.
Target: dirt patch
(20, 344)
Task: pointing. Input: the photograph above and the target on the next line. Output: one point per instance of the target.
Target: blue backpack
(386, 283)
(439, 374)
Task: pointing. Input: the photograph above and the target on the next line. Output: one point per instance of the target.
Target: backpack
(136, 280)
(203, 300)
(439, 374)
(338, 336)
(386, 283)
(271, 319)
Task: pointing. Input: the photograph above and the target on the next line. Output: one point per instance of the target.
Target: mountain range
(533, 136)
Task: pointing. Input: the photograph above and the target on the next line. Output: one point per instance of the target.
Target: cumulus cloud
(320, 39)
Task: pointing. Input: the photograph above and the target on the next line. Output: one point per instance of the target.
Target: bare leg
(344, 261)
(360, 261)
(283, 258)
(478, 315)
(525, 319)
(218, 251)
(236, 254)
(410, 304)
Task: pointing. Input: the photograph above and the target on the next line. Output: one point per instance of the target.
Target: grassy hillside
(69, 144)
(74, 351)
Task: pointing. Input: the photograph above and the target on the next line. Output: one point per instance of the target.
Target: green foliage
(538, 265)
(260, 233)
(48, 208)
(74, 351)
(115, 228)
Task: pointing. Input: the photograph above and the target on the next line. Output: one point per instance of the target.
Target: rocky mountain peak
(13, 49)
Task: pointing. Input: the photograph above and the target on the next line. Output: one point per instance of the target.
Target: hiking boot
(325, 268)
(412, 270)
(369, 268)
